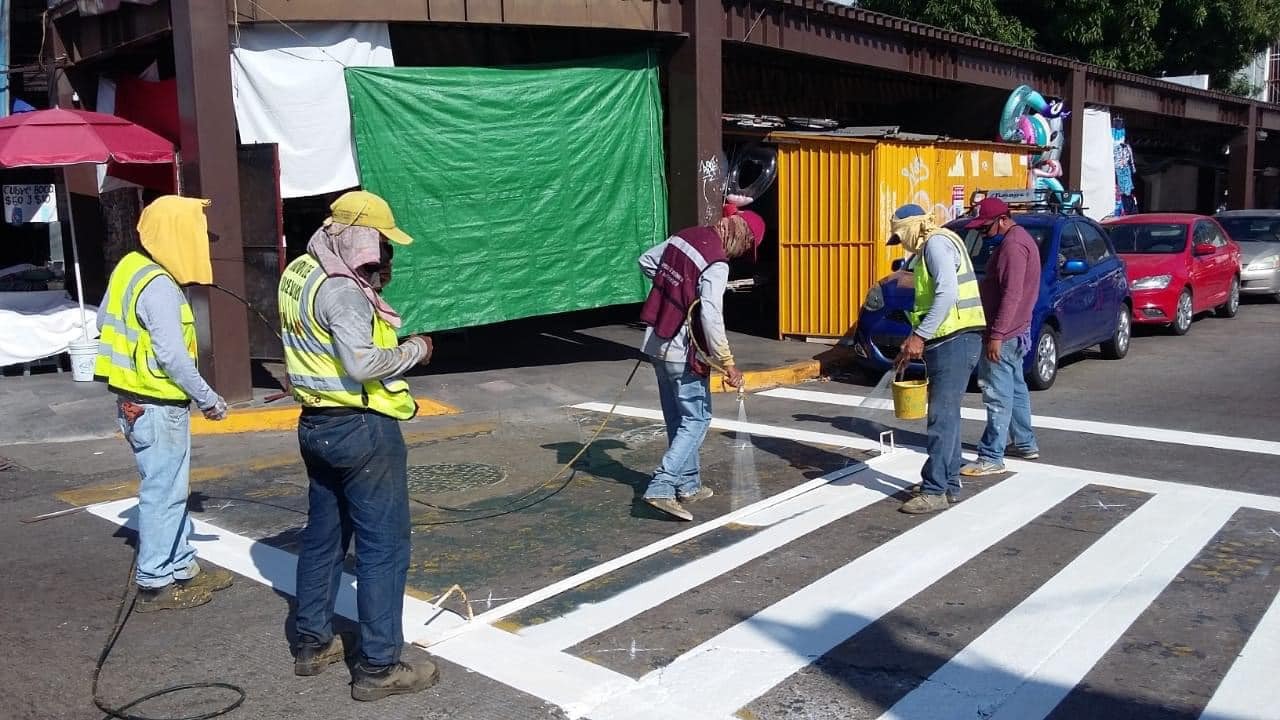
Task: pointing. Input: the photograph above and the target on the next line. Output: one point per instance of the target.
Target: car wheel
(1229, 308)
(1044, 368)
(1118, 346)
(1183, 315)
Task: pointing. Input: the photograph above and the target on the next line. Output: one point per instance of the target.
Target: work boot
(670, 506)
(703, 493)
(170, 597)
(211, 580)
(313, 658)
(399, 679)
(924, 504)
(953, 497)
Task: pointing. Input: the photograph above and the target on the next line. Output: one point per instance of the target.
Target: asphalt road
(1124, 575)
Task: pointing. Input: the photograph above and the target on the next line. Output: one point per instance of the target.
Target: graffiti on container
(917, 176)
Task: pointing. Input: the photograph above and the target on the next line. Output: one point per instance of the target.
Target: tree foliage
(1154, 37)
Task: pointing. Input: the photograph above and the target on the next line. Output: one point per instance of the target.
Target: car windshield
(1257, 228)
(1148, 238)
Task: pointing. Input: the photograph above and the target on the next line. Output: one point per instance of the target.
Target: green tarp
(527, 190)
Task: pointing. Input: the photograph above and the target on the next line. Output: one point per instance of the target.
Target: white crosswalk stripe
(1020, 667)
(1089, 427)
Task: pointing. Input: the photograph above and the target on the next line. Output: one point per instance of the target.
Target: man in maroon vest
(690, 268)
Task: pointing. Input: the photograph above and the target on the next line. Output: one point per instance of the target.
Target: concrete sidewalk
(537, 362)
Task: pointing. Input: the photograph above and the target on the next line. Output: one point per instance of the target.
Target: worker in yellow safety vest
(947, 324)
(147, 356)
(345, 363)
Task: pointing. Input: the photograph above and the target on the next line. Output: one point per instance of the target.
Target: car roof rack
(1063, 202)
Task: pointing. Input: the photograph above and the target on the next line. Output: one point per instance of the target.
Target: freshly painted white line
(1252, 500)
(1250, 690)
(1025, 664)
(558, 678)
(1092, 427)
(809, 436)
(550, 591)
(794, 519)
(730, 670)
(1269, 503)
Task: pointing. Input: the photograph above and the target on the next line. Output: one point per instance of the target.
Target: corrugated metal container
(835, 197)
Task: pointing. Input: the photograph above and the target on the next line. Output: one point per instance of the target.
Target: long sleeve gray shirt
(159, 312)
(711, 288)
(942, 258)
(342, 309)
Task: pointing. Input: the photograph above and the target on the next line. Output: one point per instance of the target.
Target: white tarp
(1098, 180)
(35, 325)
(292, 92)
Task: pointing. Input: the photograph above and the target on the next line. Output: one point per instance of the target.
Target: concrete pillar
(1243, 158)
(1077, 87)
(209, 169)
(695, 105)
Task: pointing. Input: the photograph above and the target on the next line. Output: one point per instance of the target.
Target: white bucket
(83, 355)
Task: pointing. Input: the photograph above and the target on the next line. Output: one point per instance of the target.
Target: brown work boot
(399, 679)
(924, 504)
(170, 597)
(670, 506)
(212, 580)
(704, 493)
(312, 659)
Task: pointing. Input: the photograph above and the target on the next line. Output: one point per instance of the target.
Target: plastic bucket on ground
(910, 399)
(83, 355)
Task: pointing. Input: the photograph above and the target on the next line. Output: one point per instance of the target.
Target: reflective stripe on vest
(126, 358)
(315, 370)
(967, 313)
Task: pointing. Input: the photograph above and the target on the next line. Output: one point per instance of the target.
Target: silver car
(1258, 234)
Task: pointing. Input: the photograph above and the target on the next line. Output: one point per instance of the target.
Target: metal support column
(1244, 153)
(1076, 90)
(209, 170)
(695, 105)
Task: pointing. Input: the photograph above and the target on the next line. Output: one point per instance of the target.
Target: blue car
(1084, 297)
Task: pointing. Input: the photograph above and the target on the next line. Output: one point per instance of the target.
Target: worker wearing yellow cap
(147, 356)
(345, 364)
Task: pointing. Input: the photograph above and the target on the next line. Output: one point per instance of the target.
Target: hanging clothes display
(1126, 168)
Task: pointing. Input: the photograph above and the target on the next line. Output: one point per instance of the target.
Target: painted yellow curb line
(128, 486)
(286, 418)
(771, 377)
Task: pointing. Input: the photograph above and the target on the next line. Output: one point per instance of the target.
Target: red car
(1179, 265)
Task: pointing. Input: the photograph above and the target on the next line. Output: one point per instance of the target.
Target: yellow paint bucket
(911, 399)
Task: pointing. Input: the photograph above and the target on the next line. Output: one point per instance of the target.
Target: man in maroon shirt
(1010, 288)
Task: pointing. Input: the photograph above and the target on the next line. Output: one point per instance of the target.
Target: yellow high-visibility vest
(315, 370)
(967, 313)
(126, 359)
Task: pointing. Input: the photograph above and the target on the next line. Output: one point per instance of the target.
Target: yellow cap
(367, 210)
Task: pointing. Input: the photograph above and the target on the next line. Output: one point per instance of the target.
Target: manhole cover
(452, 477)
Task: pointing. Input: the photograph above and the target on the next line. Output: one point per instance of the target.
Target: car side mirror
(1075, 267)
(1205, 249)
(898, 264)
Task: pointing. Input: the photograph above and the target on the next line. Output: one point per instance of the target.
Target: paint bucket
(911, 399)
(83, 356)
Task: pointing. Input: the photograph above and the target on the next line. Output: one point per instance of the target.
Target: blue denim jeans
(950, 363)
(686, 409)
(1004, 391)
(357, 467)
(161, 442)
